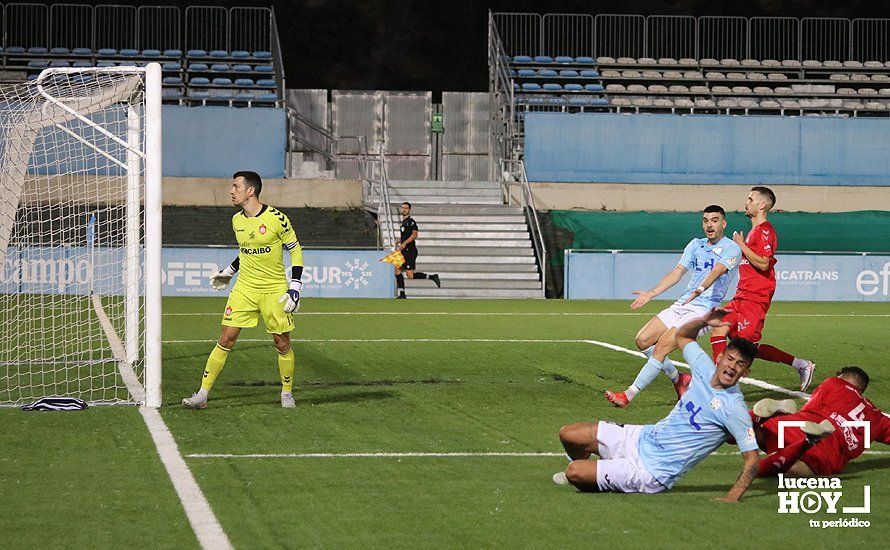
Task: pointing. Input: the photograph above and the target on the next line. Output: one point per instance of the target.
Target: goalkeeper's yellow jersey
(261, 240)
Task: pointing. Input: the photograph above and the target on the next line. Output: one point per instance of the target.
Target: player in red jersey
(825, 451)
(757, 284)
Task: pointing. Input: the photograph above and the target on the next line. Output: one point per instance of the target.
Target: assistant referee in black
(408, 234)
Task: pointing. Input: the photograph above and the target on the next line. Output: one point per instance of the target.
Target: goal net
(80, 257)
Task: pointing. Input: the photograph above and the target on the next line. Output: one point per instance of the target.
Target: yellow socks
(215, 363)
(286, 370)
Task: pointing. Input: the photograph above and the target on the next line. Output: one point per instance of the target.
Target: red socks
(774, 354)
(718, 345)
(781, 460)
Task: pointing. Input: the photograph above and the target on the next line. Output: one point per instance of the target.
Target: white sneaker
(766, 408)
(806, 375)
(196, 401)
(815, 431)
(287, 401)
(560, 478)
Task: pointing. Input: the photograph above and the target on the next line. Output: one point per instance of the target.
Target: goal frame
(150, 155)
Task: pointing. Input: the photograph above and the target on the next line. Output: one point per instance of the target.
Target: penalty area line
(518, 314)
(460, 454)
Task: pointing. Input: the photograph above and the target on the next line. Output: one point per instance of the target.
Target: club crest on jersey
(715, 404)
(262, 230)
(228, 311)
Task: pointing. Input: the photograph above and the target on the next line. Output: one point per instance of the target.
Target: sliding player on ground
(650, 459)
(826, 450)
(261, 289)
(757, 284)
(710, 259)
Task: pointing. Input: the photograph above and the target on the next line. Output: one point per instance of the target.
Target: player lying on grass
(757, 284)
(262, 289)
(824, 445)
(651, 458)
(711, 258)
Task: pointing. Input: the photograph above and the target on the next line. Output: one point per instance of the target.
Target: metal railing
(504, 136)
(513, 174)
(375, 188)
(624, 35)
(329, 141)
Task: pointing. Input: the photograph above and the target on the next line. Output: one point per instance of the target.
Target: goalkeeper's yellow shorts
(244, 308)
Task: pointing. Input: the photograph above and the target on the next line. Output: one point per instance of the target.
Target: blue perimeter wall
(215, 142)
(656, 148)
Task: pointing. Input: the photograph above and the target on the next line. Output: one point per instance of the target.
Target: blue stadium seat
(171, 93)
(82, 51)
(245, 95)
(531, 86)
(267, 96)
(219, 53)
(172, 80)
(552, 87)
(81, 78)
(222, 94)
(59, 63)
(599, 101)
(171, 66)
(129, 52)
(15, 50)
(543, 59)
(573, 87)
(579, 100)
(81, 64)
(266, 83)
(564, 59)
(556, 101)
(38, 63)
(262, 54)
(241, 68)
(244, 82)
(198, 67)
(594, 87)
(32, 77)
(568, 73)
(589, 73)
(522, 59)
(220, 67)
(151, 53)
(196, 53)
(240, 54)
(584, 59)
(105, 64)
(222, 81)
(37, 50)
(107, 51)
(172, 53)
(199, 81)
(515, 87)
(547, 72)
(58, 50)
(527, 72)
(199, 94)
(264, 69)
(127, 64)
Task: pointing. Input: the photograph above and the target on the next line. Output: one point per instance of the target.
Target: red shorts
(746, 319)
(825, 458)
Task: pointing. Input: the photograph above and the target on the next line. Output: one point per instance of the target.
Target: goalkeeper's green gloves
(221, 280)
(291, 298)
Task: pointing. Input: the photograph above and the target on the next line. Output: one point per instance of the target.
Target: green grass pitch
(504, 381)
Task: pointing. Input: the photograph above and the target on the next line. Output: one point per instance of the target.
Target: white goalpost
(80, 236)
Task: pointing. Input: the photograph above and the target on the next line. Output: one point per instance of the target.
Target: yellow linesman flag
(396, 258)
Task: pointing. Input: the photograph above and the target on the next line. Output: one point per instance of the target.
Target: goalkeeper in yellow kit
(261, 289)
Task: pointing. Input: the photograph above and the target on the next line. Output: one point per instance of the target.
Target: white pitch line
(744, 380)
(400, 340)
(421, 455)
(204, 523)
(519, 314)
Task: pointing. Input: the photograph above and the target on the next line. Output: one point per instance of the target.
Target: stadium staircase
(480, 247)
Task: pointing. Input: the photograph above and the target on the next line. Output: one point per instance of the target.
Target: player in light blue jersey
(710, 259)
(650, 459)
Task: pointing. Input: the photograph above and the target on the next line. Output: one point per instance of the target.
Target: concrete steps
(479, 247)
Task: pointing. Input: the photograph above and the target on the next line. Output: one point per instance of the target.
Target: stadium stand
(232, 56)
(560, 62)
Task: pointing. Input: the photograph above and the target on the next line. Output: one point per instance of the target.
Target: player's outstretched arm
(687, 333)
(758, 261)
(715, 274)
(749, 473)
(643, 296)
(221, 279)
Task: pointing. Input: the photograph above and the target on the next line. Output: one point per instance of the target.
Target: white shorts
(620, 469)
(676, 315)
